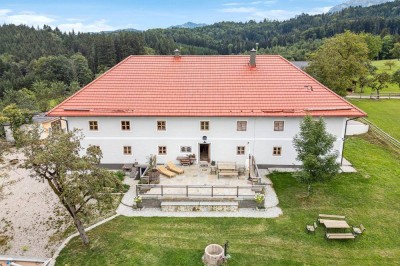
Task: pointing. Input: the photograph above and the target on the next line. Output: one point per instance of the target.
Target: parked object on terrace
(172, 167)
(165, 171)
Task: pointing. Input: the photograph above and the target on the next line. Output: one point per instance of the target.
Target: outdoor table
(336, 224)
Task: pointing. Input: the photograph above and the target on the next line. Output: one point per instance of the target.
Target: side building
(220, 108)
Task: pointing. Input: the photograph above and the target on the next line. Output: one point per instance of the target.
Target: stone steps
(199, 206)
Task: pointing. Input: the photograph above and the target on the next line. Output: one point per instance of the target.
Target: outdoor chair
(165, 171)
(311, 228)
(359, 230)
(172, 167)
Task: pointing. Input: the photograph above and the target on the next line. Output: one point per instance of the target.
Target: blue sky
(101, 15)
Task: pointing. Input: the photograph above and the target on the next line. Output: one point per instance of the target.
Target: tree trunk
(81, 230)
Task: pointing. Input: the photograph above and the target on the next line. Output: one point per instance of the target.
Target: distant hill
(189, 25)
(363, 3)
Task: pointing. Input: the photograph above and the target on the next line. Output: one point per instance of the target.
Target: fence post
(187, 191)
(162, 191)
(237, 191)
(212, 191)
(137, 190)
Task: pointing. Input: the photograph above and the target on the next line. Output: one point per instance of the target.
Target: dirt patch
(30, 214)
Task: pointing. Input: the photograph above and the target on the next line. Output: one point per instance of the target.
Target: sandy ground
(30, 214)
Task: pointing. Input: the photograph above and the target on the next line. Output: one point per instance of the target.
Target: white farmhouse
(220, 108)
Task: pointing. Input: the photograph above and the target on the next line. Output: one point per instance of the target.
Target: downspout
(66, 121)
(344, 138)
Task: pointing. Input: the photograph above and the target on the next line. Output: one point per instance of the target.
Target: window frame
(277, 151)
(240, 150)
(279, 128)
(122, 125)
(162, 150)
(162, 126)
(93, 127)
(237, 125)
(127, 150)
(203, 125)
(186, 150)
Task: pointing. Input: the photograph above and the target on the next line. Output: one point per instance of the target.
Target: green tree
(363, 82)
(339, 61)
(379, 82)
(16, 117)
(81, 69)
(314, 148)
(389, 64)
(45, 92)
(374, 43)
(82, 187)
(396, 51)
(387, 46)
(396, 77)
(53, 68)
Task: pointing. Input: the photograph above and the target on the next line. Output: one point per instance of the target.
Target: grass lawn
(380, 64)
(370, 196)
(383, 113)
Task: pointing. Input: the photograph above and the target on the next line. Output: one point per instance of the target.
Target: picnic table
(335, 224)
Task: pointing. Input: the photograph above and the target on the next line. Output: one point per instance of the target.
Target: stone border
(66, 241)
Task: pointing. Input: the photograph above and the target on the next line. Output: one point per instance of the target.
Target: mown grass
(380, 65)
(370, 196)
(383, 113)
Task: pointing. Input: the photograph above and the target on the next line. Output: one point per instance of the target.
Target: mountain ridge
(352, 3)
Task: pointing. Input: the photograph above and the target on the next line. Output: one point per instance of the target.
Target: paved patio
(199, 181)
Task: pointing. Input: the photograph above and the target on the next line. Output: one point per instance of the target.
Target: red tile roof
(205, 86)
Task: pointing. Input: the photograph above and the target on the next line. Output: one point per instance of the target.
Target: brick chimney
(252, 62)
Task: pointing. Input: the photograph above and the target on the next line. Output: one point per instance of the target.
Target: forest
(39, 67)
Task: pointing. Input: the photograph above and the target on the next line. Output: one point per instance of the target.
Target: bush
(120, 175)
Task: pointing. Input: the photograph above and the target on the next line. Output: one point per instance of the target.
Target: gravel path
(30, 213)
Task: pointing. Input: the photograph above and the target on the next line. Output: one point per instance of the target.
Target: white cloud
(319, 10)
(96, 26)
(263, 2)
(232, 4)
(239, 10)
(26, 18)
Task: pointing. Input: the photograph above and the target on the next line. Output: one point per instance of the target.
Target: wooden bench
(227, 169)
(322, 217)
(340, 236)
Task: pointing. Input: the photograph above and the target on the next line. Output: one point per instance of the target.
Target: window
(240, 150)
(126, 125)
(162, 150)
(241, 125)
(204, 125)
(279, 125)
(277, 151)
(161, 125)
(186, 149)
(127, 150)
(56, 125)
(93, 125)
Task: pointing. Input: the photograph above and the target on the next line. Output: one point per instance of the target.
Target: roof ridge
(328, 89)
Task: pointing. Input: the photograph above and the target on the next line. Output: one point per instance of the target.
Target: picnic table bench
(227, 169)
(330, 216)
(340, 236)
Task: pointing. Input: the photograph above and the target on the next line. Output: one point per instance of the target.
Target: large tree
(314, 148)
(340, 61)
(396, 51)
(81, 185)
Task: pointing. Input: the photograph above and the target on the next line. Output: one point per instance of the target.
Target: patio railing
(187, 191)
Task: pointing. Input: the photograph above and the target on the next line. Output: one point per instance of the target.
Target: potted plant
(152, 171)
(259, 198)
(139, 202)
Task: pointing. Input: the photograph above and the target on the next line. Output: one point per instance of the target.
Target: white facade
(259, 139)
